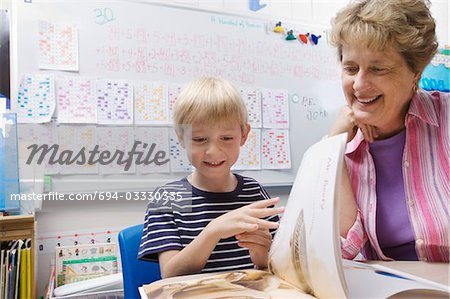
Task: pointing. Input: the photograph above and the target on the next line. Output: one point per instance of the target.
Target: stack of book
(15, 269)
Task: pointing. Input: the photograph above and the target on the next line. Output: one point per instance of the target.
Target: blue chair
(135, 272)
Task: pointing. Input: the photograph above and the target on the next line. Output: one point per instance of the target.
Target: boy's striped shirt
(173, 224)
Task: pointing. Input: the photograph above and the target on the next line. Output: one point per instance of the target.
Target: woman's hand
(346, 122)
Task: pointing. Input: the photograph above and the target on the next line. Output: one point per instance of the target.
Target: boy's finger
(266, 212)
(267, 224)
(250, 246)
(248, 227)
(264, 203)
(263, 232)
(256, 239)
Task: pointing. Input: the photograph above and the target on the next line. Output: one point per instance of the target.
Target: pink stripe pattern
(426, 174)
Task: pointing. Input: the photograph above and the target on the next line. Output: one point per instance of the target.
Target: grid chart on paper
(275, 149)
(114, 102)
(76, 100)
(151, 103)
(58, 46)
(275, 108)
(250, 154)
(35, 99)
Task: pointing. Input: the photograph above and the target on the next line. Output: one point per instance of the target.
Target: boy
(215, 220)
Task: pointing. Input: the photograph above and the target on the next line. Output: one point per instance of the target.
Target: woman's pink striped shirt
(426, 174)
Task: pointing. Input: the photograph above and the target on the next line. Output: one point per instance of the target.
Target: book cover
(11, 273)
(7, 271)
(23, 283)
(29, 269)
(2, 271)
(82, 262)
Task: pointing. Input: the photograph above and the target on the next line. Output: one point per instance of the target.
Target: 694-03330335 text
(158, 197)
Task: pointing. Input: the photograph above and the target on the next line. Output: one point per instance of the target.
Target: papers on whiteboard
(74, 143)
(252, 99)
(36, 134)
(276, 149)
(85, 100)
(275, 108)
(58, 46)
(178, 157)
(151, 103)
(35, 99)
(250, 155)
(174, 91)
(116, 139)
(114, 102)
(76, 100)
(156, 139)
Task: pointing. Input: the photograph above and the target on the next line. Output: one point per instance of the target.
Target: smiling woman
(378, 87)
(395, 189)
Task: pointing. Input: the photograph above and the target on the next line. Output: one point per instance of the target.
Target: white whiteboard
(182, 44)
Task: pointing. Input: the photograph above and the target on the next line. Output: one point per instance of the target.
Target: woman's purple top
(394, 230)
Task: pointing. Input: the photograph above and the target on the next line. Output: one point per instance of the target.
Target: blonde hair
(405, 25)
(209, 101)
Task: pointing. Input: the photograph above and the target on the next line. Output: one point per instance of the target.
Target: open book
(305, 256)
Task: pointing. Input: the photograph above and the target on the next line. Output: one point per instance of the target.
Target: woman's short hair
(405, 25)
(209, 101)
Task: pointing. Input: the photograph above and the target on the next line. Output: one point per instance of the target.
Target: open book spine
(306, 250)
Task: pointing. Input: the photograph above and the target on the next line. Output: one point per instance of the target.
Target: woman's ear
(417, 78)
(245, 133)
(416, 81)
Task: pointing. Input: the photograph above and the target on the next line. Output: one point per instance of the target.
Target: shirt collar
(422, 107)
(356, 142)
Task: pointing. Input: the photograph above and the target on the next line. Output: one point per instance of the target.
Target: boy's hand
(258, 243)
(245, 219)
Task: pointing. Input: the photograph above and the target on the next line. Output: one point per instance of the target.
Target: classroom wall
(70, 216)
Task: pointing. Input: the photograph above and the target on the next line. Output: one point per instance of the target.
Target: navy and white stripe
(174, 225)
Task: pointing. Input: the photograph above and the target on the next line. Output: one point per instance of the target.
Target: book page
(385, 281)
(306, 250)
(249, 284)
(434, 273)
